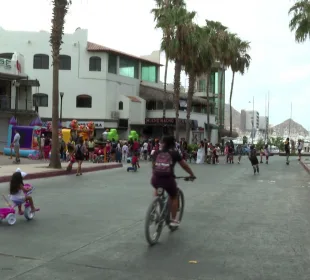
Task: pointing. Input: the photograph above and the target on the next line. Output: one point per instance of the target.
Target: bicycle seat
(160, 191)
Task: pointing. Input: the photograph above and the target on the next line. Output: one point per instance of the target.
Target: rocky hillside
(235, 117)
(296, 128)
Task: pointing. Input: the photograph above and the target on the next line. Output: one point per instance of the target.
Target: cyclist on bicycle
(163, 173)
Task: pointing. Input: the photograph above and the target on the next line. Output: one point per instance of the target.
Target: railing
(11, 104)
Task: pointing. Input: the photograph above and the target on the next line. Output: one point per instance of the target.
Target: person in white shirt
(124, 152)
(16, 146)
(144, 147)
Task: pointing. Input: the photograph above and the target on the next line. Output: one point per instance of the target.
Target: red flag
(18, 66)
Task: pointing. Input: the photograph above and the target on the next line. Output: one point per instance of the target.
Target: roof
(93, 47)
(134, 99)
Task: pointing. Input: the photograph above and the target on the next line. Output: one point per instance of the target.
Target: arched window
(41, 61)
(120, 105)
(95, 63)
(83, 101)
(64, 62)
(40, 100)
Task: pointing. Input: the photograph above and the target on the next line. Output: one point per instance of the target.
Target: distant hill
(235, 117)
(296, 128)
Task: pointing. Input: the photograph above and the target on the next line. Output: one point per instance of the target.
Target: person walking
(16, 146)
(287, 150)
(79, 156)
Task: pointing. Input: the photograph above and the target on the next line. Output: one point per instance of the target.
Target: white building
(263, 123)
(246, 120)
(107, 86)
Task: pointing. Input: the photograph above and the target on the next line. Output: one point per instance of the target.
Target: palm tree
(194, 66)
(239, 63)
(60, 9)
(176, 19)
(300, 22)
(163, 21)
(213, 31)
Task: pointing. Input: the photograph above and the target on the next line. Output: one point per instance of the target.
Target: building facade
(263, 123)
(112, 88)
(246, 120)
(15, 93)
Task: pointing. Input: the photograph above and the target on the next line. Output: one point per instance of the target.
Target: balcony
(7, 104)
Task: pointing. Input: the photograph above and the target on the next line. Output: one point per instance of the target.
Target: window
(128, 67)
(149, 72)
(41, 61)
(201, 85)
(6, 55)
(112, 64)
(64, 62)
(83, 101)
(95, 63)
(120, 105)
(212, 83)
(40, 100)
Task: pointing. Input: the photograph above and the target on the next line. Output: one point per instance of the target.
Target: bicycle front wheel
(153, 215)
(180, 212)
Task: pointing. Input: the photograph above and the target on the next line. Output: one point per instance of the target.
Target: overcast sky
(279, 65)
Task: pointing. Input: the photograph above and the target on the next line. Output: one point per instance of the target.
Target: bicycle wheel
(180, 210)
(153, 214)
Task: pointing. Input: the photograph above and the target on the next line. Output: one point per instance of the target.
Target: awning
(30, 83)
(11, 77)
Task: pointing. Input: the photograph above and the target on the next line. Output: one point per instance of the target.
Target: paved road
(236, 226)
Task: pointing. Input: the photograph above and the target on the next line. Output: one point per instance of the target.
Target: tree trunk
(208, 109)
(190, 93)
(230, 100)
(176, 95)
(60, 9)
(55, 159)
(165, 94)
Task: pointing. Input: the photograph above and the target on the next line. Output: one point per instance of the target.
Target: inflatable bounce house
(76, 129)
(133, 135)
(29, 137)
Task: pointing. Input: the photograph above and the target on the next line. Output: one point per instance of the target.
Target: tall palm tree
(300, 21)
(178, 18)
(240, 62)
(213, 35)
(194, 66)
(164, 22)
(60, 9)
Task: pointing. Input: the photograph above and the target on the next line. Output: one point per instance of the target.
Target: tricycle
(8, 214)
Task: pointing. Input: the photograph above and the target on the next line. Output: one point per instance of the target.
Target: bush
(192, 147)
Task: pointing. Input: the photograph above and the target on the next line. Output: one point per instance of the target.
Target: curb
(63, 172)
(304, 165)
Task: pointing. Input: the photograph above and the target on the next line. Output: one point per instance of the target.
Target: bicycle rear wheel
(153, 214)
(180, 210)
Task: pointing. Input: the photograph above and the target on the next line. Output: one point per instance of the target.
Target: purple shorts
(167, 183)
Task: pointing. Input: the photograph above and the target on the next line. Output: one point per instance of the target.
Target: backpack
(253, 153)
(163, 165)
(78, 153)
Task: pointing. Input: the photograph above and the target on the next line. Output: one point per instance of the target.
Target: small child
(253, 159)
(18, 192)
(266, 151)
(134, 163)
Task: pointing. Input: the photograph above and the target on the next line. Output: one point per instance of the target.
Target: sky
(279, 66)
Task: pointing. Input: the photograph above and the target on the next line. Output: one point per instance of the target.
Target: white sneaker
(174, 223)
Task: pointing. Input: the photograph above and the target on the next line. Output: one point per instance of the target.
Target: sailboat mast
(289, 126)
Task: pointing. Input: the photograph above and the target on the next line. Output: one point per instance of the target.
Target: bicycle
(163, 215)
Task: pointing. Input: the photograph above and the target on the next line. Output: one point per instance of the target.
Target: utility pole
(253, 123)
(289, 126)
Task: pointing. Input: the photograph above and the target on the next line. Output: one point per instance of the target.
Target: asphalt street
(235, 226)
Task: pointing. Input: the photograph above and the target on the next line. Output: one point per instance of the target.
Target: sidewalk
(305, 163)
(41, 170)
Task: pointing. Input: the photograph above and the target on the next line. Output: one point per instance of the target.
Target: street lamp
(61, 97)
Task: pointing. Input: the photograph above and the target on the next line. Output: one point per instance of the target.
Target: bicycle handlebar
(186, 178)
